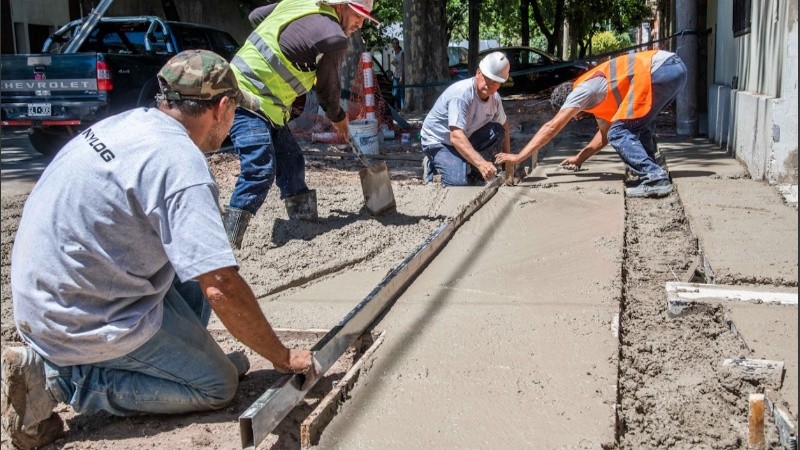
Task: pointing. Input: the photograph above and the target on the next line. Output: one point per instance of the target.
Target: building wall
(753, 101)
(24, 13)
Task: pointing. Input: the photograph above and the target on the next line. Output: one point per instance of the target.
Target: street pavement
(20, 164)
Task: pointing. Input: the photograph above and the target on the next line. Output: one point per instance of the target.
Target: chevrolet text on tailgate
(56, 95)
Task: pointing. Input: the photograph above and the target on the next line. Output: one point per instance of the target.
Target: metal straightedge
(258, 421)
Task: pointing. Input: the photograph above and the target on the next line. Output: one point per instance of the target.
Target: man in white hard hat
(297, 45)
(467, 127)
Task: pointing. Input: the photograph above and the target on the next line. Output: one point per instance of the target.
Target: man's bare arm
(597, 143)
(464, 147)
(545, 134)
(235, 304)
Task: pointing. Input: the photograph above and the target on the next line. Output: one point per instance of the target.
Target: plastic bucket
(365, 133)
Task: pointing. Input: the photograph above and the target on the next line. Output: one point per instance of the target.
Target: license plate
(39, 109)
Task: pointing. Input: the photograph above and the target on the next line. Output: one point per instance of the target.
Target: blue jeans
(398, 92)
(446, 161)
(266, 152)
(633, 139)
(180, 369)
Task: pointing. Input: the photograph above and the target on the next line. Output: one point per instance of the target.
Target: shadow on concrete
(18, 160)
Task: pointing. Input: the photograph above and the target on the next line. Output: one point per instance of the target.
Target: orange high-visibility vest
(629, 91)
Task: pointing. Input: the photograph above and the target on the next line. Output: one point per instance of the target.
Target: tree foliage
(608, 41)
(588, 17)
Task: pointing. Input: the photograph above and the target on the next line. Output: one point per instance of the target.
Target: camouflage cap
(201, 75)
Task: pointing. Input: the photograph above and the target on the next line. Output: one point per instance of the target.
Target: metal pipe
(91, 21)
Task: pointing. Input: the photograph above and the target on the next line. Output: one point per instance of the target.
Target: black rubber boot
(302, 206)
(235, 221)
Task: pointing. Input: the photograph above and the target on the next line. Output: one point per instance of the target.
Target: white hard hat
(362, 7)
(495, 66)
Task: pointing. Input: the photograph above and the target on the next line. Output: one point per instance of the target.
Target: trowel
(376, 184)
(538, 172)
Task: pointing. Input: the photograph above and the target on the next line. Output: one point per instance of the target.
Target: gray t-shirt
(591, 92)
(123, 207)
(460, 106)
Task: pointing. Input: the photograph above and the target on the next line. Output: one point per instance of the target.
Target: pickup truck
(56, 95)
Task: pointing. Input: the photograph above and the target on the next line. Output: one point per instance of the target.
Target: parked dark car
(457, 58)
(532, 70)
(61, 91)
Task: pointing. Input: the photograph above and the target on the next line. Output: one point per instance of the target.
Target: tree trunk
(553, 37)
(352, 60)
(524, 20)
(425, 46)
(474, 35)
(558, 28)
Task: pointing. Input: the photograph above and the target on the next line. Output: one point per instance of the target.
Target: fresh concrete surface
(771, 333)
(499, 342)
(748, 234)
(746, 230)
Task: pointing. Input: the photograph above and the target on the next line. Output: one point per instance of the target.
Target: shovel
(376, 184)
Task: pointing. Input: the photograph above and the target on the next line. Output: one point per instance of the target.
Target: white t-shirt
(460, 106)
(124, 207)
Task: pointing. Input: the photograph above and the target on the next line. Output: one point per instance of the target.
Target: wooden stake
(755, 433)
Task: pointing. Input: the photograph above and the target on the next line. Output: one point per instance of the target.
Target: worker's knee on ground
(450, 180)
(221, 393)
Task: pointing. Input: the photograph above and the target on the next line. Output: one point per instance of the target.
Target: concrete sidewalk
(745, 229)
(748, 236)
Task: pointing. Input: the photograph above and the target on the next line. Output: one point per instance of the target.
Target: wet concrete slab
(771, 333)
(748, 235)
(745, 229)
(507, 337)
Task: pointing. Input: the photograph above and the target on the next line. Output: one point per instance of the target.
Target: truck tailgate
(50, 88)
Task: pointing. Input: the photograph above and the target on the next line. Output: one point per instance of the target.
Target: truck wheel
(47, 143)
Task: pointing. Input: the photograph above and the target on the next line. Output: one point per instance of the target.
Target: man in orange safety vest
(625, 96)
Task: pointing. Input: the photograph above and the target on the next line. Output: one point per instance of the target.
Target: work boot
(660, 188)
(427, 170)
(302, 206)
(235, 221)
(26, 404)
(239, 359)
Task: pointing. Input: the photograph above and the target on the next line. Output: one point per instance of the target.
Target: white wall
(38, 12)
(758, 121)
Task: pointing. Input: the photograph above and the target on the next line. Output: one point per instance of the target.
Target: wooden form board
(783, 420)
(683, 296)
(311, 429)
